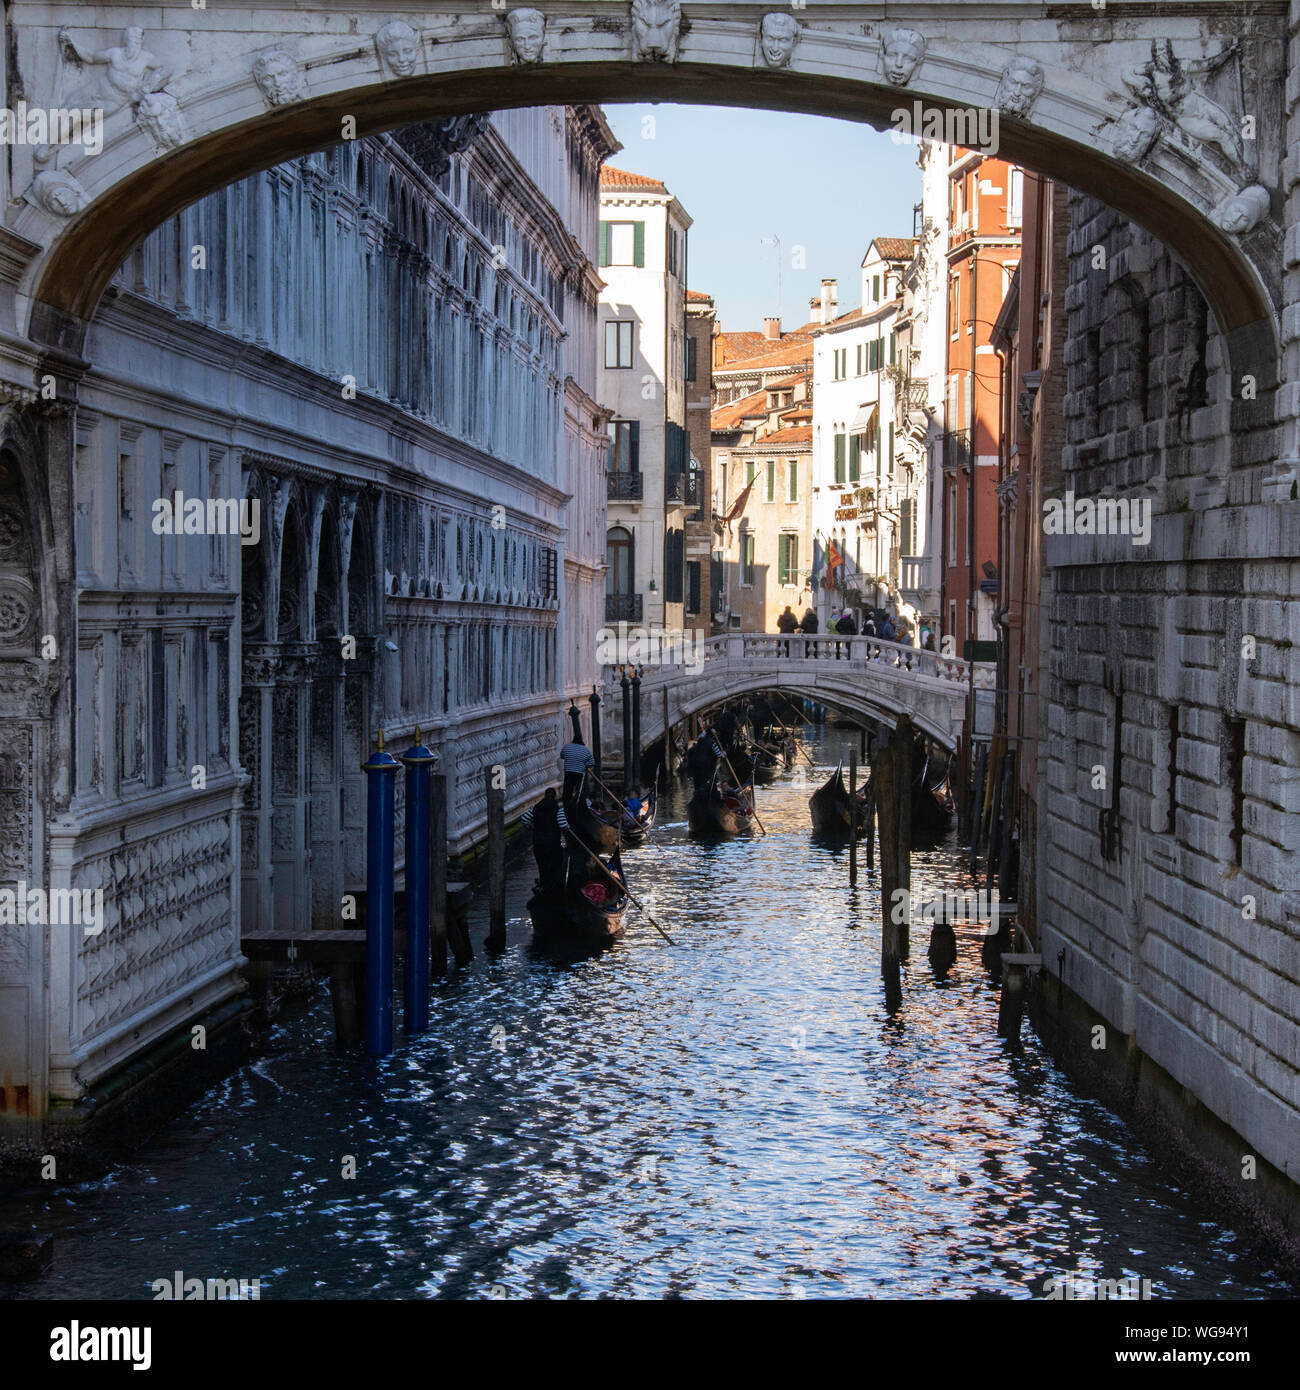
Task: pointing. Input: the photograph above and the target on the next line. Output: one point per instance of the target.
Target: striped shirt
(576, 757)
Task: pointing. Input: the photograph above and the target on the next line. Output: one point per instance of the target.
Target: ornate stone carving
(58, 193)
(1242, 212)
(278, 76)
(1022, 84)
(1164, 86)
(399, 49)
(1133, 136)
(17, 610)
(656, 30)
(778, 32)
(902, 51)
(526, 30)
(130, 73)
(159, 114)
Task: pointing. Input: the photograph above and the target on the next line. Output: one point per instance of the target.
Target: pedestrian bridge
(858, 676)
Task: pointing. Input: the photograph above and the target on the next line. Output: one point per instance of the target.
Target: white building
(390, 353)
(643, 381)
(862, 510)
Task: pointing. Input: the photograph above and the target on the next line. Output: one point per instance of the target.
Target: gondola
(632, 829)
(602, 835)
(830, 807)
(932, 808)
(588, 909)
(721, 811)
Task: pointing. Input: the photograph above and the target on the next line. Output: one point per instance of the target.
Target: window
(875, 288)
(691, 345)
(855, 457)
(892, 350)
(787, 564)
(747, 558)
(692, 586)
(873, 355)
(839, 459)
(771, 480)
(622, 243)
(751, 468)
(890, 457)
(952, 524)
(906, 527)
(859, 359)
(622, 456)
(1015, 197)
(618, 343)
(954, 305)
(618, 561)
(674, 565)
(792, 466)
(841, 359)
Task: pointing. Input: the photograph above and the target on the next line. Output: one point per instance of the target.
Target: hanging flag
(819, 562)
(740, 503)
(833, 561)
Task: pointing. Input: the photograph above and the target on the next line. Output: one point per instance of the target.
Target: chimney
(830, 300)
(815, 309)
(771, 329)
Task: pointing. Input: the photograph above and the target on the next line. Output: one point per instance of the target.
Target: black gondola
(588, 909)
(632, 827)
(830, 807)
(721, 811)
(932, 808)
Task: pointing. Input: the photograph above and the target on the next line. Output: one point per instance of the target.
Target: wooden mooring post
(853, 818)
(1011, 1008)
(496, 857)
(438, 874)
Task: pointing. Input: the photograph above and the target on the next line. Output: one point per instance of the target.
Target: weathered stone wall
(1168, 799)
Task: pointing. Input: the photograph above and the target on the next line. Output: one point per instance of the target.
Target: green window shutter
(794, 480)
(875, 288)
(891, 448)
(771, 480)
(638, 243)
(634, 446)
(839, 458)
(905, 539)
(855, 457)
(604, 243)
(891, 350)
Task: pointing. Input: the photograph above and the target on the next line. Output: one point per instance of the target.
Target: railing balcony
(624, 487)
(914, 575)
(956, 450)
(623, 608)
(674, 489)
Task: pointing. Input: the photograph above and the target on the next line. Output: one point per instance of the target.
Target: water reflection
(735, 1115)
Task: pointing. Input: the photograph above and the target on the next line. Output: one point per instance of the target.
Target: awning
(864, 419)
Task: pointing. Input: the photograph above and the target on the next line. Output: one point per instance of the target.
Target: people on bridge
(888, 632)
(809, 628)
(575, 758)
(846, 626)
(786, 623)
(927, 640)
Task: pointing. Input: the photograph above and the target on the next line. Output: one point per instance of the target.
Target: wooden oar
(614, 879)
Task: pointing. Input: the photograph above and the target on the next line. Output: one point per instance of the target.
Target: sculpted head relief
(399, 47)
(276, 73)
(527, 31)
(1134, 134)
(656, 27)
(1242, 212)
(777, 35)
(902, 51)
(1021, 85)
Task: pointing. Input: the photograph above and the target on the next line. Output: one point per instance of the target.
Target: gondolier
(575, 759)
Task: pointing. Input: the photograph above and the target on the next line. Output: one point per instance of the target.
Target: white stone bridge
(859, 676)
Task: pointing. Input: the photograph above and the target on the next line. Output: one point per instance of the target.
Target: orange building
(984, 218)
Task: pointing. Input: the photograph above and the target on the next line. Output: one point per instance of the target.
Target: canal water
(734, 1115)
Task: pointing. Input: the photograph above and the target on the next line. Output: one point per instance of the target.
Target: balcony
(624, 487)
(623, 608)
(956, 450)
(914, 576)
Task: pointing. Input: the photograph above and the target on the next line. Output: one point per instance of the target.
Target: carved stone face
(901, 53)
(776, 38)
(276, 73)
(1134, 134)
(160, 115)
(1021, 85)
(654, 29)
(398, 47)
(132, 40)
(527, 30)
(59, 193)
(1242, 212)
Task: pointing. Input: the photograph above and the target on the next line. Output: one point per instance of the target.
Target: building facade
(863, 514)
(643, 364)
(303, 514)
(701, 331)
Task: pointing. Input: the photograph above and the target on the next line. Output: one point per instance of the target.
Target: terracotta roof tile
(785, 356)
(747, 346)
(788, 436)
(895, 248)
(696, 294)
(729, 416)
(620, 178)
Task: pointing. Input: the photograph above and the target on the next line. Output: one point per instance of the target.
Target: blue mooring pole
(419, 762)
(380, 789)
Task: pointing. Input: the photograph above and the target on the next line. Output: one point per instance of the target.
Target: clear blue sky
(828, 186)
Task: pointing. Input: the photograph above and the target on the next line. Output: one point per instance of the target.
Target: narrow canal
(735, 1115)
